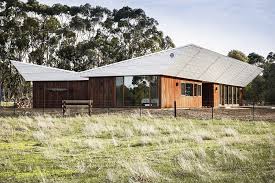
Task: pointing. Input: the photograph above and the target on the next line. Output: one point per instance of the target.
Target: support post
(90, 106)
(63, 108)
(44, 98)
(140, 110)
(14, 106)
(175, 109)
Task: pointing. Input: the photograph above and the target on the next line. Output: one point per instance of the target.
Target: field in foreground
(118, 148)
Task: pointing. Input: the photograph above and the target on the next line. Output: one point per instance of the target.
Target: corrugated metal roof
(32, 72)
(189, 62)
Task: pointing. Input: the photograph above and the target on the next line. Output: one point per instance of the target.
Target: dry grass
(116, 148)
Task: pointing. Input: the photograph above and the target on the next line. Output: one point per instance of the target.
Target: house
(190, 75)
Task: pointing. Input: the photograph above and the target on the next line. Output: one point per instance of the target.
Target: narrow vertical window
(183, 89)
(199, 90)
(195, 90)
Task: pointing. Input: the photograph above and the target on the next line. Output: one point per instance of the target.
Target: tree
(238, 55)
(256, 59)
(271, 57)
(74, 38)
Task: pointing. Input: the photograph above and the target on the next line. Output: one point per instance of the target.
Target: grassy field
(118, 148)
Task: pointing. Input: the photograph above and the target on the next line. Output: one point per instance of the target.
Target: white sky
(219, 25)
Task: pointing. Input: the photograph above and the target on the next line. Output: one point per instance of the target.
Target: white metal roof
(189, 62)
(32, 72)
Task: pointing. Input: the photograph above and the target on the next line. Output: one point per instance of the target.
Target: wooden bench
(76, 104)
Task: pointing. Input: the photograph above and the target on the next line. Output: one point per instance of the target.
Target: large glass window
(237, 95)
(141, 90)
(225, 94)
(229, 94)
(234, 94)
(154, 91)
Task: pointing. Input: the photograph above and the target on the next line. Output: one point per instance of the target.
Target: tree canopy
(72, 37)
(262, 88)
(238, 55)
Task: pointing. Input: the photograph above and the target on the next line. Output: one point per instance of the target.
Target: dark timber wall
(50, 94)
(102, 91)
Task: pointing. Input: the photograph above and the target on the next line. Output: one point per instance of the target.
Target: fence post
(212, 112)
(175, 109)
(63, 108)
(253, 110)
(14, 106)
(140, 110)
(90, 105)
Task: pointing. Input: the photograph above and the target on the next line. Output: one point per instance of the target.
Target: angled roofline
(61, 74)
(43, 66)
(135, 58)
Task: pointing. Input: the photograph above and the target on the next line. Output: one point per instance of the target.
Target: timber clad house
(192, 76)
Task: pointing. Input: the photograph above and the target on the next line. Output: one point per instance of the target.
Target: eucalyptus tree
(72, 37)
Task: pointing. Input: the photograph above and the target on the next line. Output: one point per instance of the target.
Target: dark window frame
(183, 89)
(199, 90)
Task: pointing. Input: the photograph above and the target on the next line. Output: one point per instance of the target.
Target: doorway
(207, 94)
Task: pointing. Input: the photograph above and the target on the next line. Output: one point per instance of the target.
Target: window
(234, 94)
(237, 95)
(182, 88)
(137, 90)
(195, 90)
(199, 90)
(229, 94)
(154, 90)
(189, 89)
(225, 94)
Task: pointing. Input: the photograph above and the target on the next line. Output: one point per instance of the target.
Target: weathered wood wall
(102, 91)
(216, 94)
(170, 93)
(50, 94)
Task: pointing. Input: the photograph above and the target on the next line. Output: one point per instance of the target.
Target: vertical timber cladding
(102, 91)
(49, 94)
(171, 91)
(216, 95)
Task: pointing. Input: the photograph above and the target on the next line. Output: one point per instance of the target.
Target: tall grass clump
(140, 171)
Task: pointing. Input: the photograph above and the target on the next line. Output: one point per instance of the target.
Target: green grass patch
(120, 148)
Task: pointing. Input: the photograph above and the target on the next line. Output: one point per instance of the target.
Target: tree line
(72, 37)
(262, 88)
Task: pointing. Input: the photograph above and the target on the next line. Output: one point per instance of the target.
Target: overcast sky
(219, 25)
